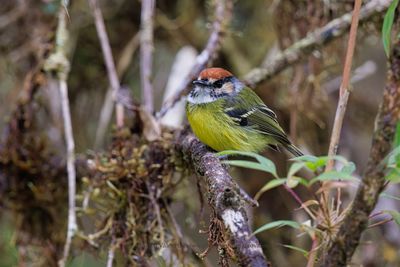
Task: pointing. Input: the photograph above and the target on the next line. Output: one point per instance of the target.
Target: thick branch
(315, 39)
(226, 200)
(347, 239)
(222, 17)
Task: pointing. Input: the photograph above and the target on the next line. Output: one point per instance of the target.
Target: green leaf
(393, 176)
(271, 184)
(294, 168)
(332, 175)
(349, 168)
(395, 215)
(292, 181)
(397, 136)
(246, 164)
(393, 158)
(313, 163)
(277, 224)
(268, 164)
(389, 196)
(387, 26)
(305, 158)
(304, 252)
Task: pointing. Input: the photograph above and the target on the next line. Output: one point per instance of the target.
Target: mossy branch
(226, 200)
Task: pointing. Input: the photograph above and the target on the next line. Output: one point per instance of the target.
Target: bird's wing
(249, 111)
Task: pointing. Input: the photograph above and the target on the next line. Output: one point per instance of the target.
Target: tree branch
(146, 53)
(108, 58)
(226, 200)
(355, 222)
(313, 41)
(222, 17)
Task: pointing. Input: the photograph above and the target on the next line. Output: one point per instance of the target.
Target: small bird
(227, 115)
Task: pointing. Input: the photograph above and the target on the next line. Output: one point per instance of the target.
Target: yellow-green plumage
(226, 115)
(217, 130)
(213, 124)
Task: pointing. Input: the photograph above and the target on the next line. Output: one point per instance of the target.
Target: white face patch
(204, 94)
(201, 95)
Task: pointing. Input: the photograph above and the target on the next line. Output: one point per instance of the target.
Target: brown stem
(355, 222)
(344, 87)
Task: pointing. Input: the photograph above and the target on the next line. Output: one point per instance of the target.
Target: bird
(225, 114)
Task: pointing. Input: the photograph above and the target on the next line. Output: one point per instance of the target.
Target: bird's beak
(200, 82)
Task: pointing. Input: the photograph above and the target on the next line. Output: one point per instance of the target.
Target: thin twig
(14, 14)
(108, 104)
(110, 256)
(146, 54)
(222, 17)
(344, 87)
(72, 225)
(380, 222)
(58, 63)
(152, 196)
(313, 41)
(108, 58)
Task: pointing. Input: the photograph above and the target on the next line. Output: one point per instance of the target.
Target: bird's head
(213, 84)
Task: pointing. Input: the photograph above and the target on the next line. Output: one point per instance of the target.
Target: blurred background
(304, 97)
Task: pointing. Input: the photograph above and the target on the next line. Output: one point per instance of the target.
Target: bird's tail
(294, 150)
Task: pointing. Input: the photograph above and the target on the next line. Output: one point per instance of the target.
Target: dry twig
(108, 58)
(344, 87)
(146, 54)
(107, 108)
(59, 64)
(222, 17)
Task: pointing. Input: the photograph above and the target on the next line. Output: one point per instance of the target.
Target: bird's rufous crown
(214, 73)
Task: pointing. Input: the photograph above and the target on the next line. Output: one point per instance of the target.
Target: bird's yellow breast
(215, 129)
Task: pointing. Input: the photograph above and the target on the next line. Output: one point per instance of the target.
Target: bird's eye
(218, 84)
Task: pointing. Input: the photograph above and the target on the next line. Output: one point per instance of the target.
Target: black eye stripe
(219, 83)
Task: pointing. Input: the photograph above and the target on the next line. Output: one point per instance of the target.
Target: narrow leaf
(387, 26)
(332, 175)
(277, 224)
(271, 184)
(304, 252)
(395, 215)
(389, 196)
(262, 160)
(246, 164)
(294, 168)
